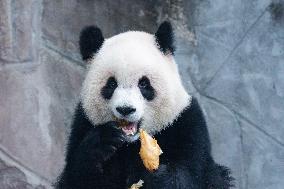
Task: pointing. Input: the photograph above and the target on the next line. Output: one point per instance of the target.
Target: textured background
(230, 53)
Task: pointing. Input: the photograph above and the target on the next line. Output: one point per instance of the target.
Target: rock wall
(230, 55)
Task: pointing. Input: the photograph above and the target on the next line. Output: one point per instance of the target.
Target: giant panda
(133, 77)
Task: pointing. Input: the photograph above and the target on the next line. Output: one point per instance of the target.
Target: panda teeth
(130, 129)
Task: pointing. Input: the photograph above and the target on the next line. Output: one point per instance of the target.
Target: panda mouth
(129, 128)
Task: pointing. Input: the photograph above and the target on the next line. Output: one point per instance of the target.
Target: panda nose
(125, 110)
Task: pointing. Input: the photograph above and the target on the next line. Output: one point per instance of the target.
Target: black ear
(165, 38)
(91, 40)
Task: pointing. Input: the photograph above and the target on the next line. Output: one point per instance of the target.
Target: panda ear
(165, 38)
(91, 40)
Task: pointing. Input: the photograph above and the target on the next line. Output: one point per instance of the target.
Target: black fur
(91, 40)
(125, 110)
(146, 88)
(108, 90)
(98, 157)
(165, 38)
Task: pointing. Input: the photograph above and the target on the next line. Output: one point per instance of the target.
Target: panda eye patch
(144, 83)
(111, 83)
(146, 88)
(109, 88)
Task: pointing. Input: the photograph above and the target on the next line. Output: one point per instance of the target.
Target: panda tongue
(129, 129)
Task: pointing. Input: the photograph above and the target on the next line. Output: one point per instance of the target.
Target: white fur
(128, 97)
(128, 57)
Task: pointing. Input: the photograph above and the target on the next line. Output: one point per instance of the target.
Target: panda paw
(111, 135)
(111, 138)
(101, 143)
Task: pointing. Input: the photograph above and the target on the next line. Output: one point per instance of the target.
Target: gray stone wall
(230, 54)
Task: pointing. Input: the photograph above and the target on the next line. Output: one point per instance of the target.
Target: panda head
(132, 77)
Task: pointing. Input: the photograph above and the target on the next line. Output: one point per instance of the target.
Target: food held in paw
(149, 151)
(137, 185)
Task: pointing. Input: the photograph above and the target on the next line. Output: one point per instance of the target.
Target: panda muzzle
(129, 128)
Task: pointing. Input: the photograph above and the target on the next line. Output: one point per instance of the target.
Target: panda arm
(186, 148)
(192, 139)
(79, 128)
(195, 153)
(88, 148)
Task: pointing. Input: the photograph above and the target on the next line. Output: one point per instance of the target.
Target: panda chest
(133, 165)
(129, 154)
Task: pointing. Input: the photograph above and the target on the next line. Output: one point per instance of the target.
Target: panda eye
(109, 88)
(147, 91)
(144, 82)
(111, 83)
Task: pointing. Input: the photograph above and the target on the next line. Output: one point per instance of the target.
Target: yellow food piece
(137, 185)
(149, 151)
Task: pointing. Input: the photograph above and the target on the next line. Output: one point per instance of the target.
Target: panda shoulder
(191, 114)
(81, 122)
